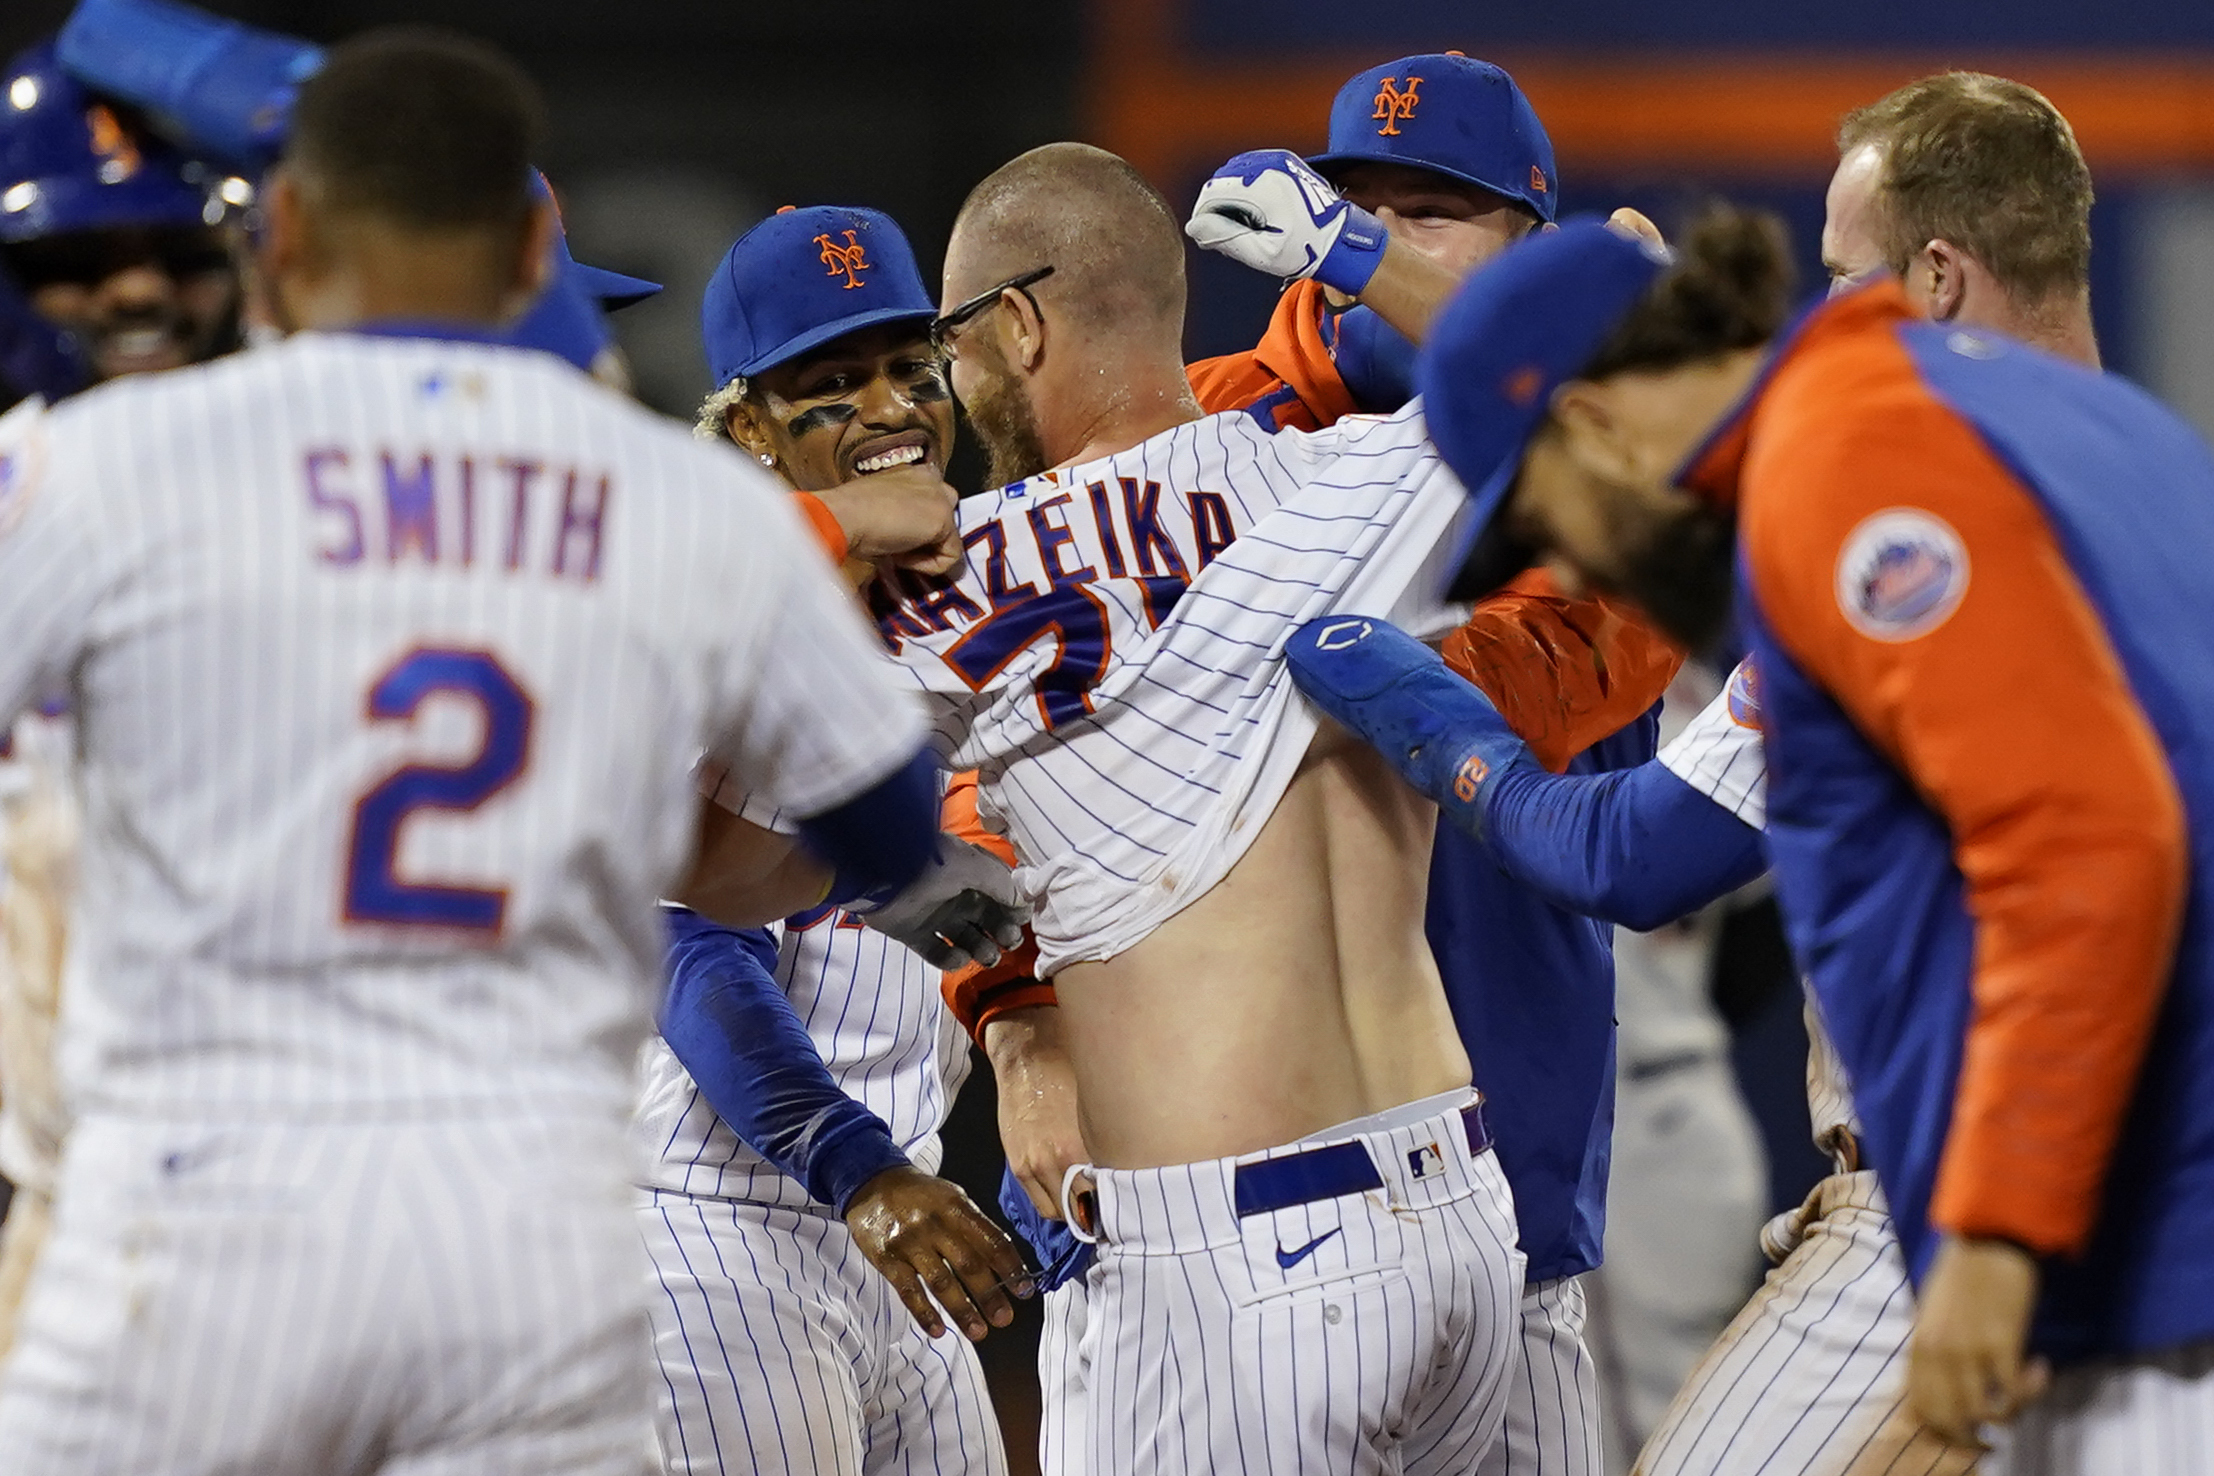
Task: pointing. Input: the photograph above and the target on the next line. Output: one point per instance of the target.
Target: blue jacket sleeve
(1637, 847)
(732, 1027)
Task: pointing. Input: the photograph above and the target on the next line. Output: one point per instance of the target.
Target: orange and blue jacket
(1978, 587)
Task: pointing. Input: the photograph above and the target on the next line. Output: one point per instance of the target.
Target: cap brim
(1323, 163)
(823, 333)
(611, 290)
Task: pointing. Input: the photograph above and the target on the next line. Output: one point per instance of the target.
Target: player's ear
(746, 430)
(1026, 332)
(1941, 281)
(534, 266)
(285, 246)
(1589, 431)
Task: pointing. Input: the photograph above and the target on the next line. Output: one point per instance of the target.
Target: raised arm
(1638, 847)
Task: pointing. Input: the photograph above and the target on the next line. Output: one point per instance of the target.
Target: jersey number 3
(374, 891)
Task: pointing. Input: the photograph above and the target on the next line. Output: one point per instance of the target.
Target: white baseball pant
(1810, 1376)
(1062, 1445)
(406, 1296)
(2149, 1416)
(1554, 1419)
(1330, 1327)
(783, 1351)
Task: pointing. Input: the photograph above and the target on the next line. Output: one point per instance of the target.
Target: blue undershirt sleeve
(735, 1031)
(1637, 846)
(879, 842)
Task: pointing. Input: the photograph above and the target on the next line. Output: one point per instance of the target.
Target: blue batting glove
(1269, 210)
(1438, 730)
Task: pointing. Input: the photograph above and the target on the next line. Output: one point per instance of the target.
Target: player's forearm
(736, 1033)
(1021, 1040)
(1409, 289)
(744, 876)
(1638, 847)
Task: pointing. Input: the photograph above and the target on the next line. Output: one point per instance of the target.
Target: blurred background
(678, 124)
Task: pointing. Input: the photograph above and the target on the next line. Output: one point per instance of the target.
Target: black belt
(1329, 1171)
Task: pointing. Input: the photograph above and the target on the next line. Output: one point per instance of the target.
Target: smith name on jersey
(1110, 660)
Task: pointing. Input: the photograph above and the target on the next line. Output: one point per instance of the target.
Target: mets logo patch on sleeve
(1744, 695)
(1901, 574)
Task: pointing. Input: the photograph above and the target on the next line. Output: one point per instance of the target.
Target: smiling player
(793, 1118)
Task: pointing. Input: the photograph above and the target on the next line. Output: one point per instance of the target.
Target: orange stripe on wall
(1750, 114)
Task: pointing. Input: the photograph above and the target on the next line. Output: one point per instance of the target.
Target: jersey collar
(428, 328)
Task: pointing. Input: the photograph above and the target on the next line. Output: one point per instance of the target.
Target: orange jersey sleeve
(1958, 641)
(978, 995)
(1290, 373)
(1564, 673)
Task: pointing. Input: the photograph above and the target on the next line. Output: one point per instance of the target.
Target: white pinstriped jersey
(1719, 752)
(1720, 755)
(38, 855)
(391, 659)
(874, 1011)
(1111, 658)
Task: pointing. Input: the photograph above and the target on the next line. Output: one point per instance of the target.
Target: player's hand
(1635, 226)
(1038, 1125)
(963, 909)
(929, 1239)
(1437, 729)
(1965, 1366)
(1272, 212)
(902, 518)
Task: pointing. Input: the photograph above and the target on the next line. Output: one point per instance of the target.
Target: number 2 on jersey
(375, 892)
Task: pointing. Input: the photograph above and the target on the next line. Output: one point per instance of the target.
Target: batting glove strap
(1272, 212)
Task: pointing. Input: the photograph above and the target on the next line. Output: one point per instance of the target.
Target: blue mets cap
(69, 161)
(1518, 329)
(570, 316)
(802, 278)
(1450, 114)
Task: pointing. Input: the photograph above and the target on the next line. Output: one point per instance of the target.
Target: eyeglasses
(942, 327)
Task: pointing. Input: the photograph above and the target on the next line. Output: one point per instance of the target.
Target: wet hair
(422, 127)
(1730, 287)
(1988, 165)
(1116, 248)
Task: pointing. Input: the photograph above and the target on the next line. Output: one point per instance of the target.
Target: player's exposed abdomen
(1297, 994)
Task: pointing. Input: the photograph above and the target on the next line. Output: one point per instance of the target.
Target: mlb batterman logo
(852, 258)
(1393, 106)
(1901, 574)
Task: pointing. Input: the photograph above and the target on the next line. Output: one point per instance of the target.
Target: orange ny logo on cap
(113, 144)
(1392, 105)
(1537, 179)
(851, 258)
